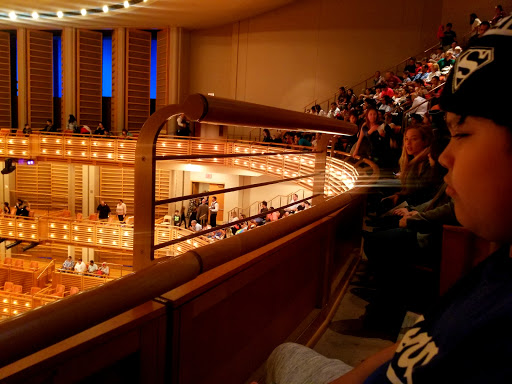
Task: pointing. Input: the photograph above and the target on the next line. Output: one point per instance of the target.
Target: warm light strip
(14, 15)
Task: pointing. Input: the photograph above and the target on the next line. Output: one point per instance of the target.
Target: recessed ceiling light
(126, 4)
(12, 15)
(35, 15)
(105, 8)
(60, 14)
(83, 12)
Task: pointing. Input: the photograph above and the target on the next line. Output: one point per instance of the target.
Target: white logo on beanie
(503, 28)
(469, 62)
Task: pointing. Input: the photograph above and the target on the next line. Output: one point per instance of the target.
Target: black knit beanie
(480, 81)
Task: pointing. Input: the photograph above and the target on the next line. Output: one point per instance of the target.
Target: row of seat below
(18, 263)
(60, 289)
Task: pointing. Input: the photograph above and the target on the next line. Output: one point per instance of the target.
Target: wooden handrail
(213, 110)
(35, 330)
(53, 322)
(46, 268)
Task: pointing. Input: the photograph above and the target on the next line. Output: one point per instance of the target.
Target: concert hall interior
(189, 184)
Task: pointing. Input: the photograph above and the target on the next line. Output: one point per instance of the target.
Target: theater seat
(17, 288)
(60, 288)
(34, 265)
(79, 216)
(8, 286)
(18, 263)
(8, 260)
(73, 290)
(34, 290)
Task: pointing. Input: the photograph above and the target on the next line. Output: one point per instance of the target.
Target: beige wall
(210, 61)
(302, 52)
(249, 196)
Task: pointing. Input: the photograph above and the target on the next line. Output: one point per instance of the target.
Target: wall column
(90, 189)
(21, 38)
(119, 79)
(178, 64)
(69, 66)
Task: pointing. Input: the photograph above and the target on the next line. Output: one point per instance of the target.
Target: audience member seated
(482, 29)
(420, 174)
(477, 159)
(500, 14)
(392, 80)
(263, 209)
(92, 268)
(274, 216)
(104, 270)
(72, 126)
(7, 209)
(27, 130)
(22, 208)
(68, 264)
(125, 134)
(446, 61)
(49, 127)
(267, 138)
(393, 255)
(371, 125)
(419, 104)
(293, 208)
(100, 130)
(218, 234)
(183, 128)
(195, 226)
(85, 130)
(80, 266)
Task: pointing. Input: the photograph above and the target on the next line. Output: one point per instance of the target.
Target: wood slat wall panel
(138, 53)
(78, 188)
(117, 183)
(40, 78)
(43, 185)
(162, 190)
(89, 62)
(5, 77)
(59, 186)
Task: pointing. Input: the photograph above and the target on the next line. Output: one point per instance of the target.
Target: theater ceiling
(191, 14)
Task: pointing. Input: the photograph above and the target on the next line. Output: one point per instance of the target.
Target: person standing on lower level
(103, 210)
(214, 209)
(121, 211)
